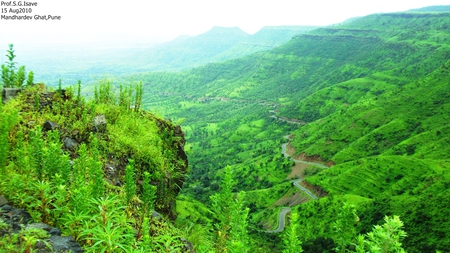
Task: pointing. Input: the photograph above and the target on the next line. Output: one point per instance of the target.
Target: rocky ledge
(19, 232)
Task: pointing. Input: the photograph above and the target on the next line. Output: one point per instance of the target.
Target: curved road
(285, 210)
(281, 220)
(283, 151)
(297, 183)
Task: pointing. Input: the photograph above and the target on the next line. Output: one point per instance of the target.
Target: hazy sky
(145, 20)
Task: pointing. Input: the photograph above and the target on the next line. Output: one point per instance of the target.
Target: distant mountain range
(184, 52)
(438, 8)
(217, 44)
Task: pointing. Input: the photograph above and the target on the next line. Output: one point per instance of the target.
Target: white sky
(146, 20)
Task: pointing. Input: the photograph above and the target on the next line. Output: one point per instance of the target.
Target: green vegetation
(290, 240)
(77, 165)
(369, 98)
(372, 93)
(13, 77)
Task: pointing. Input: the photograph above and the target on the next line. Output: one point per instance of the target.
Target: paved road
(297, 183)
(285, 210)
(281, 220)
(283, 151)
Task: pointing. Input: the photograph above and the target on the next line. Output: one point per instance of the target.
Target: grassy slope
(391, 144)
(374, 91)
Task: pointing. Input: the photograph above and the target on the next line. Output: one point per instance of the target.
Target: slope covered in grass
(374, 95)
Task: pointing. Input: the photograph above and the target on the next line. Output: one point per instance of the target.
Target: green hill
(369, 97)
(374, 94)
(100, 171)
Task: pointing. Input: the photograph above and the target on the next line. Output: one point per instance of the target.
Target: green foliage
(24, 241)
(222, 204)
(139, 94)
(292, 243)
(231, 217)
(130, 181)
(78, 90)
(238, 238)
(20, 77)
(383, 239)
(30, 78)
(12, 77)
(369, 95)
(344, 227)
(370, 92)
(67, 187)
(59, 84)
(107, 230)
(7, 122)
(148, 192)
(37, 152)
(8, 70)
(103, 93)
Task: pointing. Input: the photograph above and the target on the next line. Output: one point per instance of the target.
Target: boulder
(10, 93)
(39, 225)
(99, 123)
(48, 125)
(70, 144)
(156, 216)
(65, 244)
(3, 201)
(18, 219)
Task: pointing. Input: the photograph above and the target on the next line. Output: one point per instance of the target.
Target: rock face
(18, 219)
(10, 93)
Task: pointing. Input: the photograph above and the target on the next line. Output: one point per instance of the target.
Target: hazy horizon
(137, 22)
(91, 33)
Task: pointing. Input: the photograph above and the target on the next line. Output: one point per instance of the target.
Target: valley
(293, 136)
(354, 90)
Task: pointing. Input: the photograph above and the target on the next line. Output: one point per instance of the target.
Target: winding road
(281, 220)
(284, 149)
(296, 183)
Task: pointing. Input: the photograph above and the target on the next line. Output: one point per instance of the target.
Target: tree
(20, 77)
(10, 77)
(231, 215)
(8, 70)
(30, 79)
(292, 243)
(383, 239)
(344, 227)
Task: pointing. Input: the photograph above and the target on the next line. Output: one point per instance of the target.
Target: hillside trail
(296, 183)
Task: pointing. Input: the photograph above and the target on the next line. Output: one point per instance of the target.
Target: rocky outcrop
(18, 221)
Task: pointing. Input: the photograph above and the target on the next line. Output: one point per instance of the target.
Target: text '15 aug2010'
(25, 10)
